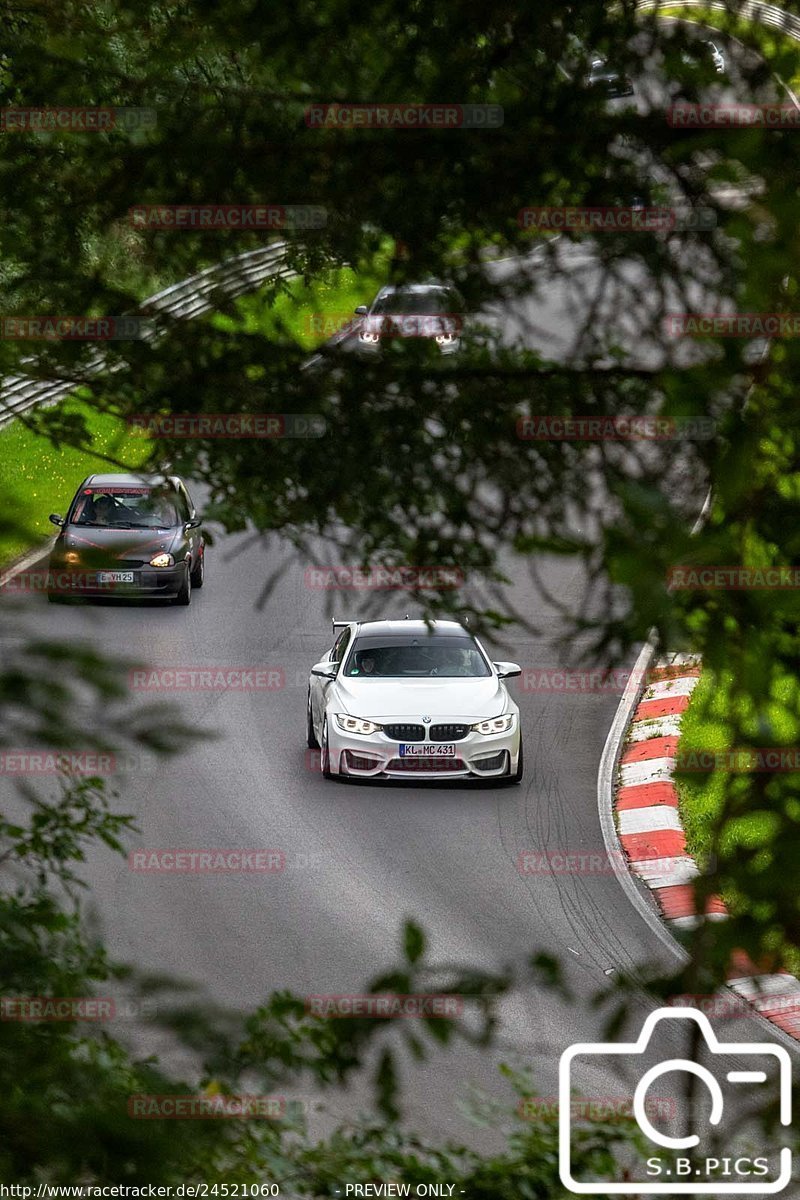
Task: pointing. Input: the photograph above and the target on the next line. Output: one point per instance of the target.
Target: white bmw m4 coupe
(402, 699)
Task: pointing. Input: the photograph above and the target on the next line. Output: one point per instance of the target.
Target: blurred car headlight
(495, 724)
(369, 337)
(162, 560)
(446, 339)
(72, 557)
(348, 724)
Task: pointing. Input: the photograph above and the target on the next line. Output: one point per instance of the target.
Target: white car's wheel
(325, 753)
(516, 777)
(311, 737)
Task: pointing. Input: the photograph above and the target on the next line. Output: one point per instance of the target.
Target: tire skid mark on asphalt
(585, 916)
(550, 821)
(581, 910)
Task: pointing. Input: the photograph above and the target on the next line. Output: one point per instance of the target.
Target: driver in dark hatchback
(128, 536)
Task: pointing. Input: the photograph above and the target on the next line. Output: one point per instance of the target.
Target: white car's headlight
(495, 724)
(349, 724)
(162, 560)
(368, 336)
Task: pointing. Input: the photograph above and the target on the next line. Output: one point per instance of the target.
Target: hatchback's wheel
(184, 595)
(53, 596)
(199, 572)
(311, 737)
(325, 752)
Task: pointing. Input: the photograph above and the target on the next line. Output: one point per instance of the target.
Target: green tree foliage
(422, 462)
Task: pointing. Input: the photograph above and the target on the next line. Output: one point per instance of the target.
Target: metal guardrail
(182, 301)
(748, 10)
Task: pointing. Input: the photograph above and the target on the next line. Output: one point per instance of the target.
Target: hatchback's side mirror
(56, 519)
(362, 310)
(194, 522)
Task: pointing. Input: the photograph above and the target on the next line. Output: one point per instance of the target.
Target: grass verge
(707, 727)
(308, 311)
(37, 478)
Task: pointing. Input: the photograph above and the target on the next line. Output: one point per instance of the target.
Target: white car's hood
(410, 700)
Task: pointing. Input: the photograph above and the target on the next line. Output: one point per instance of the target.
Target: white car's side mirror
(507, 669)
(326, 669)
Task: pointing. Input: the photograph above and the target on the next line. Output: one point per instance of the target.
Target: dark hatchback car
(128, 536)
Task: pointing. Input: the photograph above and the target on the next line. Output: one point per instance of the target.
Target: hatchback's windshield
(424, 656)
(137, 508)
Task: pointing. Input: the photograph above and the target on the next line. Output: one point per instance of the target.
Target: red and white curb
(648, 821)
(650, 832)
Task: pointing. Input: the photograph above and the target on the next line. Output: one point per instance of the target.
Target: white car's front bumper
(477, 756)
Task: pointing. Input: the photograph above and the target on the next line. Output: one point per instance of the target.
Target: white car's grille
(405, 733)
(448, 733)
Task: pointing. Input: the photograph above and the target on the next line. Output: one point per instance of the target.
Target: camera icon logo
(668, 1172)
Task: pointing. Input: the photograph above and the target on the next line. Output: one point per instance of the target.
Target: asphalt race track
(359, 858)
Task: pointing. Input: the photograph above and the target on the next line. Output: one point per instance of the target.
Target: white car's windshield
(436, 656)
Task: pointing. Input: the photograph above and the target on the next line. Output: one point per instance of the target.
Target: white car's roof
(410, 627)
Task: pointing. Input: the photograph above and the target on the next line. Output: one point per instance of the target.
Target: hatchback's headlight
(162, 560)
(369, 337)
(495, 724)
(349, 724)
(72, 557)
